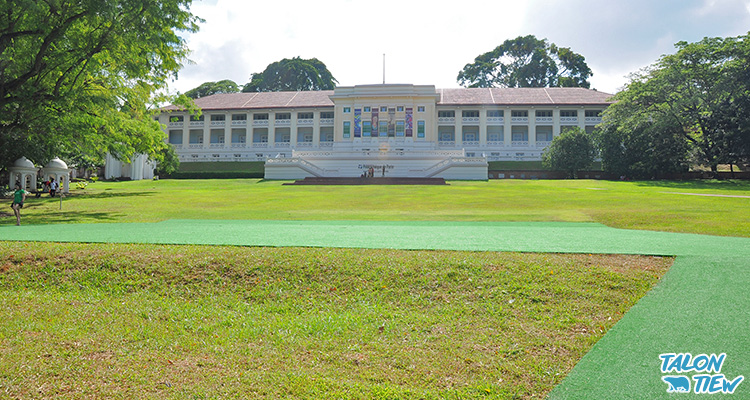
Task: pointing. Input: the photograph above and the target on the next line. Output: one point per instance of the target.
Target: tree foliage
(80, 76)
(209, 88)
(526, 62)
(292, 75)
(696, 101)
(571, 151)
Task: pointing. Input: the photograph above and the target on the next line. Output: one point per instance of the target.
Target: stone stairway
(368, 181)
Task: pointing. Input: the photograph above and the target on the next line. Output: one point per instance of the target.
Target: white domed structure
(56, 163)
(58, 170)
(23, 162)
(23, 172)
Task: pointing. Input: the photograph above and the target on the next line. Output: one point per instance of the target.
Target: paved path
(701, 306)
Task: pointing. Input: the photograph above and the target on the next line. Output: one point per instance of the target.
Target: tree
(634, 145)
(209, 88)
(526, 62)
(80, 76)
(292, 75)
(695, 100)
(572, 151)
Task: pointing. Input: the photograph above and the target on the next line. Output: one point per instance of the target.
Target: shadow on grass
(730, 184)
(101, 195)
(63, 218)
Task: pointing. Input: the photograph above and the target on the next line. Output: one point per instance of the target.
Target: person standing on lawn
(52, 187)
(19, 196)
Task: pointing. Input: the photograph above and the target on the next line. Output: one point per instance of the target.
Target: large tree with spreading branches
(81, 76)
(526, 62)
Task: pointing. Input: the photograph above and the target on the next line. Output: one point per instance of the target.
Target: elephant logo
(677, 384)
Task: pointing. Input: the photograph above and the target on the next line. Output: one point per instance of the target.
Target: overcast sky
(429, 42)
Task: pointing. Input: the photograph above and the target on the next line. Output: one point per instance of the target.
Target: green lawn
(630, 205)
(150, 321)
(147, 321)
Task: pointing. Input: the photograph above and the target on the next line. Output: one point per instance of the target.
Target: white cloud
(429, 42)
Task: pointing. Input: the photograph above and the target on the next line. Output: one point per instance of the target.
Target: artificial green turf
(701, 305)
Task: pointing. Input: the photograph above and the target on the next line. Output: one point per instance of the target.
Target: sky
(429, 42)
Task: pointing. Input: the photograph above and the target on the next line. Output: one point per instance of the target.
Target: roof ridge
(290, 100)
(251, 99)
(548, 96)
(492, 96)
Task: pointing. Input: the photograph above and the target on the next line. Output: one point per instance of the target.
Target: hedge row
(215, 175)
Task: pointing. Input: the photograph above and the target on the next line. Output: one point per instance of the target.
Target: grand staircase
(367, 181)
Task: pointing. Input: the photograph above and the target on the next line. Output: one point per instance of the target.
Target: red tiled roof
(523, 96)
(448, 97)
(237, 101)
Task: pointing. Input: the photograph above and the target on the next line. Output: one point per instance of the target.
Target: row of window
(256, 116)
(282, 116)
(518, 113)
(384, 129)
(383, 109)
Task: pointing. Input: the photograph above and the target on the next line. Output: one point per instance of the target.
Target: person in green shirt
(19, 196)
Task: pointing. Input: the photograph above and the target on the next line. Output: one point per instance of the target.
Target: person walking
(19, 196)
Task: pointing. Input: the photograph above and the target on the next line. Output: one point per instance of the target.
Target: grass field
(630, 205)
(148, 321)
(144, 321)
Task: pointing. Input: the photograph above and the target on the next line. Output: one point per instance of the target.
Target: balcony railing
(495, 120)
(544, 120)
(218, 123)
(519, 143)
(239, 122)
(470, 120)
(447, 120)
(569, 120)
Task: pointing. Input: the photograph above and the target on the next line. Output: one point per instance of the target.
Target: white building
(410, 130)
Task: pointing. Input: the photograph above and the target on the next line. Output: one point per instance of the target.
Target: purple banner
(375, 122)
(409, 121)
(357, 122)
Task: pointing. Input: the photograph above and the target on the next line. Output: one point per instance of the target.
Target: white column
(507, 127)
(555, 123)
(186, 132)
(459, 129)
(482, 128)
(206, 133)
(228, 130)
(293, 131)
(582, 119)
(532, 128)
(271, 129)
(316, 129)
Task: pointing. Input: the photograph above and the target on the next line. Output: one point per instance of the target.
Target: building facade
(405, 129)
